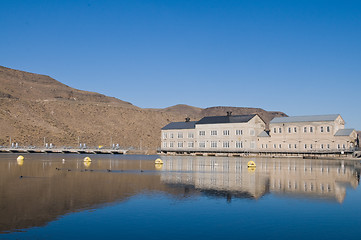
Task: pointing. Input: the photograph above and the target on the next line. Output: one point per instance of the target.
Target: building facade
(213, 134)
(247, 133)
(319, 133)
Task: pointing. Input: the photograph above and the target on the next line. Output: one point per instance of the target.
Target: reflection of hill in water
(230, 177)
(46, 193)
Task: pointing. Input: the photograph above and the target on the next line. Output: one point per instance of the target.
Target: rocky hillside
(34, 107)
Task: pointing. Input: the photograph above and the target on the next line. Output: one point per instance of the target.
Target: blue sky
(299, 57)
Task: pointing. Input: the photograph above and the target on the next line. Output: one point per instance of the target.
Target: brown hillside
(34, 106)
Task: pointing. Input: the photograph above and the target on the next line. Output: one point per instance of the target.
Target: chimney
(187, 119)
(229, 113)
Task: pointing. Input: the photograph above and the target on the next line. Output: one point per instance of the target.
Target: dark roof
(180, 125)
(344, 132)
(315, 118)
(226, 119)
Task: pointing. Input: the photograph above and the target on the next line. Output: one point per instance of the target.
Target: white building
(247, 133)
(229, 133)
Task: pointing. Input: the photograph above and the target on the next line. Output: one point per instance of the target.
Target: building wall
(226, 137)
(243, 137)
(306, 137)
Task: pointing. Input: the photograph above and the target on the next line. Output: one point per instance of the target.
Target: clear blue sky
(300, 57)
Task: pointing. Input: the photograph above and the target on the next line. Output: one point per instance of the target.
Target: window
(274, 146)
(280, 145)
(171, 135)
(239, 144)
(305, 129)
(280, 130)
(311, 146)
(343, 146)
(202, 144)
(328, 146)
(266, 146)
(305, 146)
(253, 144)
(190, 135)
(226, 132)
(239, 132)
(321, 129)
(180, 144)
(289, 130)
(338, 146)
(214, 133)
(328, 129)
(164, 135)
(191, 144)
(226, 144)
(295, 145)
(295, 129)
(180, 135)
(311, 129)
(213, 144)
(321, 146)
(164, 144)
(251, 132)
(202, 133)
(274, 130)
(171, 144)
(289, 146)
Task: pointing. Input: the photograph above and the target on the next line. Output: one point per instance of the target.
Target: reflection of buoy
(87, 163)
(87, 159)
(251, 169)
(251, 164)
(20, 160)
(158, 166)
(158, 161)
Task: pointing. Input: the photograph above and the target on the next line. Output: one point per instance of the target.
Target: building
(229, 133)
(248, 133)
(320, 133)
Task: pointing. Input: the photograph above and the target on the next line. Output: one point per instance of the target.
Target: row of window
(305, 146)
(306, 187)
(305, 129)
(213, 144)
(238, 132)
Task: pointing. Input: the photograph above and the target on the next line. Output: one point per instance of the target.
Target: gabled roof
(344, 132)
(264, 134)
(180, 125)
(314, 118)
(226, 119)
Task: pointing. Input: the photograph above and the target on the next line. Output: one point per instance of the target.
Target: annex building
(248, 133)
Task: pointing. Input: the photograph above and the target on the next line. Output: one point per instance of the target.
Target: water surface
(129, 197)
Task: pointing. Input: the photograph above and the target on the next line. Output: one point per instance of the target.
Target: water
(128, 197)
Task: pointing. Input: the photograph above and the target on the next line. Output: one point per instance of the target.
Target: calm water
(128, 197)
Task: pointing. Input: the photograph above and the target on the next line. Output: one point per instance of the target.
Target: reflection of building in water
(309, 178)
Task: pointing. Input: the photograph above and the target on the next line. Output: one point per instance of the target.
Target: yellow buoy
(20, 160)
(158, 161)
(87, 159)
(251, 164)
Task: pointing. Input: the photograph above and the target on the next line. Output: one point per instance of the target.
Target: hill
(36, 108)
